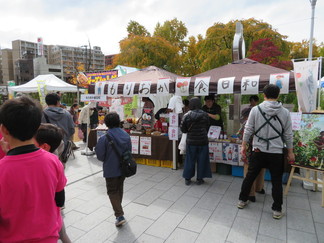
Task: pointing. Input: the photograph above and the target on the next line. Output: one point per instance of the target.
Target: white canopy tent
(52, 83)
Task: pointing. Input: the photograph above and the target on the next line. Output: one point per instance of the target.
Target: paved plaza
(159, 207)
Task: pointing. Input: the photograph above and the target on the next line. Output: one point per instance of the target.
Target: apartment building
(6, 66)
(18, 64)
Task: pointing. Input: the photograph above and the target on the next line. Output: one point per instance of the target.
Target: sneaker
(277, 214)
(241, 204)
(252, 198)
(187, 182)
(200, 181)
(261, 192)
(120, 221)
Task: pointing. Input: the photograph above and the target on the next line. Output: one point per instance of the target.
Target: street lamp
(310, 52)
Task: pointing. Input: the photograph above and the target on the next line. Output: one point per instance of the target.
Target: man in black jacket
(196, 123)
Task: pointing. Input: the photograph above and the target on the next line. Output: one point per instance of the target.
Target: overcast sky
(104, 22)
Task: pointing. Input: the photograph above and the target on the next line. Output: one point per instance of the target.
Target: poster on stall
(145, 146)
(295, 120)
(128, 90)
(135, 143)
(215, 151)
(144, 88)
(230, 153)
(214, 131)
(173, 133)
(309, 142)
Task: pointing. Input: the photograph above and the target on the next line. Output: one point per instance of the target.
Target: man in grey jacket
(57, 115)
(270, 123)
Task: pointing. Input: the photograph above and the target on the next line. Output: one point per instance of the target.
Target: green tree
(134, 28)
(173, 31)
(143, 51)
(190, 61)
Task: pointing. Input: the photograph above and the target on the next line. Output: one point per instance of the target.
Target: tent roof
(244, 68)
(150, 73)
(52, 83)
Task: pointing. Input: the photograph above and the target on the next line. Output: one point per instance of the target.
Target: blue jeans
(199, 154)
(274, 162)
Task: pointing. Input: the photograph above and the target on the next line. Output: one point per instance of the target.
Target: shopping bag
(80, 133)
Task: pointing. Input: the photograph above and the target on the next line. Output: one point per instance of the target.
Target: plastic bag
(183, 144)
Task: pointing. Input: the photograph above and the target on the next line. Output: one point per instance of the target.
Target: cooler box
(238, 171)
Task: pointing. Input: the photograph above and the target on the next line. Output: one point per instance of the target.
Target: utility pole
(310, 52)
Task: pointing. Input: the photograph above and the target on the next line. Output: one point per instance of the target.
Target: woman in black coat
(196, 123)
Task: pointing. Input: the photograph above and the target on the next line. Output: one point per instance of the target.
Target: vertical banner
(250, 85)
(41, 91)
(144, 88)
(225, 85)
(173, 119)
(40, 46)
(128, 90)
(182, 86)
(163, 86)
(201, 86)
(281, 80)
(306, 76)
(112, 89)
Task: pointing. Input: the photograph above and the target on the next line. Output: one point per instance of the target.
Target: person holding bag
(111, 162)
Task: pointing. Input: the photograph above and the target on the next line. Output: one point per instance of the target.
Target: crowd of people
(32, 176)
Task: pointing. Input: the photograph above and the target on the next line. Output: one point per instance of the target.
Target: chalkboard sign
(309, 141)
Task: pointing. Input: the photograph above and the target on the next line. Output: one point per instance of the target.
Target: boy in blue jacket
(111, 163)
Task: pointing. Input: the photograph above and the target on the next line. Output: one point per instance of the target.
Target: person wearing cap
(258, 184)
(214, 111)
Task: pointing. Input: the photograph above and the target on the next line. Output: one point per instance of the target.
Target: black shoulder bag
(127, 163)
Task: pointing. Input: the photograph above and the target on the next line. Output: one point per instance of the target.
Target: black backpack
(128, 165)
(267, 121)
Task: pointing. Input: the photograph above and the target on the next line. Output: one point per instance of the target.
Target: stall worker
(214, 111)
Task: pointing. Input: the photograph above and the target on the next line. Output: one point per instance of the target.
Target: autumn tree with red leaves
(265, 51)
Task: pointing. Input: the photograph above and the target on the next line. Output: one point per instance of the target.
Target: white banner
(92, 97)
(306, 76)
(225, 85)
(281, 80)
(163, 86)
(201, 86)
(250, 85)
(99, 88)
(128, 90)
(182, 86)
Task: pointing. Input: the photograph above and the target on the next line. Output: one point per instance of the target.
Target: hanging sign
(225, 85)
(112, 89)
(201, 86)
(182, 86)
(250, 85)
(173, 133)
(173, 119)
(144, 88)
(128, 90)
(163, 86)
(281, 80)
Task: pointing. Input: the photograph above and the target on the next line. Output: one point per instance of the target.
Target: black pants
(115, 191)
(274, 162)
